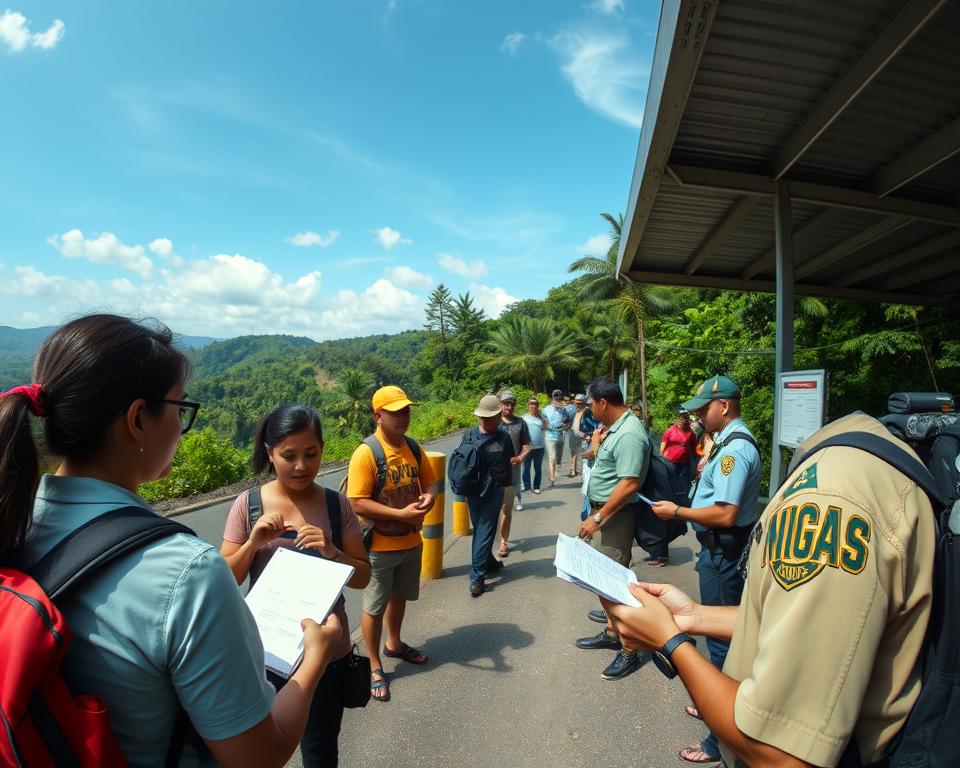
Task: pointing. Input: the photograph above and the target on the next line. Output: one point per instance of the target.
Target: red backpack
(42, 723)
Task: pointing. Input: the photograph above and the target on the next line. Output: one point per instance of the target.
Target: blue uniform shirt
(732, 476)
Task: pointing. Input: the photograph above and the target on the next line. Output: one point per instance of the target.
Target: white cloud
(308, 238)
(164, 249)
(406, 277)
(390, 238)
(458, 266)
(512, 42)
(106, 248)
(605, 74)
(15, 33)
(598, 245)
(608, 7)
(491, 300)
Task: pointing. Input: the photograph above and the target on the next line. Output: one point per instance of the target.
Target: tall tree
(437, 312)
(466, 318)
(531, 349)
(355, 387)
(633, 303)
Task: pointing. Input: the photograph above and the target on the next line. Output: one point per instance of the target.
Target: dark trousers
(318, 747)
(720, 584)
(535, 458)
(484, 516)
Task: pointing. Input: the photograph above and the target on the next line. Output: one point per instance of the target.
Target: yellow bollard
(461, 516)
(431, 567)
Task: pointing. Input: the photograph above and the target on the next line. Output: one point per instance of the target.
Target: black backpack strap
(742, 436)
(334, 513)
(885, 450)
(414, 447)
(98, 542)
(380, 457)
(254, 507)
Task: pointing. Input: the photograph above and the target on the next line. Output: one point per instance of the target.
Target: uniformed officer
(722, 511)
(827, 635)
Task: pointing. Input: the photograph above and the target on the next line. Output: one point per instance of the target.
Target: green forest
(668, 339)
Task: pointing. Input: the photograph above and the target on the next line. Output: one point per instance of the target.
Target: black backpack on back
(465, 467)
(664, 482)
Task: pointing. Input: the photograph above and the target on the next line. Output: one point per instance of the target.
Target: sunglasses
(188, 412)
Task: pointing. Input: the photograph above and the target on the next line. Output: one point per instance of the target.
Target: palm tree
(355, 387)
(530, 349)
(633, 303)
(616, 343)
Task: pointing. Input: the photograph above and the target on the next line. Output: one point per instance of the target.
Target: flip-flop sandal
(693, 712)
(379, 685)
(407, 653)
(694, 754)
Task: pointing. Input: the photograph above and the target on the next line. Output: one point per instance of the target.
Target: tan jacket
(835, 605)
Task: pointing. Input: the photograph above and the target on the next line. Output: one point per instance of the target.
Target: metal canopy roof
(855, 105)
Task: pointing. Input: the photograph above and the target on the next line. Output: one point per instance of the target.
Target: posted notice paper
(579, 563)
(294, 586)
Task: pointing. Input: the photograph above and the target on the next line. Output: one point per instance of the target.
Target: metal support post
(783, 219)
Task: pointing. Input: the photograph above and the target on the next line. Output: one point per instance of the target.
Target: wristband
(676, 512)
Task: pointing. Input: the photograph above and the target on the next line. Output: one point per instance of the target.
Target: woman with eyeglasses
(161, 629)
(291, 511)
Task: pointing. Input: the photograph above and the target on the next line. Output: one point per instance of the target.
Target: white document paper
(645, 500)
(581, 564)
(294, 586)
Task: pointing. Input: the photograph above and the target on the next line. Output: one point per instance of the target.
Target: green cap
(714, 388)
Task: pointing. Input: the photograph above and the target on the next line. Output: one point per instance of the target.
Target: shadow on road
(475, 646)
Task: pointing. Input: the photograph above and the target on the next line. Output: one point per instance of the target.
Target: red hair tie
(33, 392)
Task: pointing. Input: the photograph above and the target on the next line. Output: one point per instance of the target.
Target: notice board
(801, 405)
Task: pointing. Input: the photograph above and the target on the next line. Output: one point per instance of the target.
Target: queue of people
(168, 621)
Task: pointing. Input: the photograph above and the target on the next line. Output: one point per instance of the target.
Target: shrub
(204, 461)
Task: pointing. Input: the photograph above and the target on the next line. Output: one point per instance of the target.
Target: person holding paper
(620, 467)
(293, 514)
(824, 643)
(161, 629)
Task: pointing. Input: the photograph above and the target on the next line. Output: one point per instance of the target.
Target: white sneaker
(518, 506)
(536, 490)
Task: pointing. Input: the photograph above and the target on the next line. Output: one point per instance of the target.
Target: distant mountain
(193, 342)
(22, 341)
(218, 358)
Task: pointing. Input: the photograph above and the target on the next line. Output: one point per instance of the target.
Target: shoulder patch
(727, 464)
(802, 540)
(806, 479)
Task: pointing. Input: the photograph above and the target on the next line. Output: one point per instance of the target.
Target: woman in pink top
(289, 443)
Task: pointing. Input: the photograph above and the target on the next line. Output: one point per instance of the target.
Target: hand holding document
(579, 563)
(293, 587)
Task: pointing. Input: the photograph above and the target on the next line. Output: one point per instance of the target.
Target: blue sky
(313, 168)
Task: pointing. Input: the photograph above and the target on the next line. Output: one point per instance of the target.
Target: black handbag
(356, 680)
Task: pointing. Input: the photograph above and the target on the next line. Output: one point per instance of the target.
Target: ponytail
(19, 469)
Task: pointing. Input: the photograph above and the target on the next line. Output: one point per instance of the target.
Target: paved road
(505, 685)
(208, 522)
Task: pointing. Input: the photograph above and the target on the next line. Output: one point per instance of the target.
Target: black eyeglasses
(188, 413)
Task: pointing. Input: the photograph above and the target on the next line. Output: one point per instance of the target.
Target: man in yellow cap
(391, 486)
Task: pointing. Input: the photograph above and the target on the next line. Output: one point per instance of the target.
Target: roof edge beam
(681, 38)
(895, 260)
(817, 194)
(943, 145)
(740, 210)
(908, 21)
(770, 286)
(852, 244)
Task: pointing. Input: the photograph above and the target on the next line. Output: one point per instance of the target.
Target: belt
(596, 504)
(725, 539)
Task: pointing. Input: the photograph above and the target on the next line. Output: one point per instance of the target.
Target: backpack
(664, 481)
(380, 457)
(927, 740)
(470, 470)
(43, 722)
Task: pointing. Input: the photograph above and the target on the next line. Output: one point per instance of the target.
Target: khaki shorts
(392, 575)
(615, 538)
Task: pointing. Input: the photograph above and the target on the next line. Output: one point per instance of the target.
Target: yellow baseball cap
(390, 399)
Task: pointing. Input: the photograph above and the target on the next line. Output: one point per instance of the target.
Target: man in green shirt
(622, 459)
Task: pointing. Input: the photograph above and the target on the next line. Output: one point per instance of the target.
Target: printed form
(579, 563)
(293, 587)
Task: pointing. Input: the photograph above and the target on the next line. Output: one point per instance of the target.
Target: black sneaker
(477, 589)
(600, 640)
(598, 616)
(496, 565)
(624, 664)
